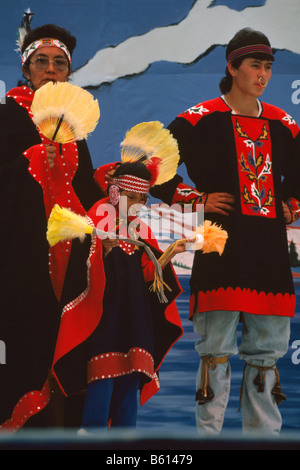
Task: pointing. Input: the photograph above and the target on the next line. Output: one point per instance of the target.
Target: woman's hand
(109, 177)
(222, 203)
(51, 155)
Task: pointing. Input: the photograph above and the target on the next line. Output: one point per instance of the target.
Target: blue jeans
(112, 400)
(264, 340)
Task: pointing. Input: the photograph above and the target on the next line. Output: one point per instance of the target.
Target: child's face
(134, 198)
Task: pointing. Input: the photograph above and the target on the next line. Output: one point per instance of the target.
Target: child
(114, 331)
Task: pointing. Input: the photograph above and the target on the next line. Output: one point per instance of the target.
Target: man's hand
(222, 203)
(287, 213)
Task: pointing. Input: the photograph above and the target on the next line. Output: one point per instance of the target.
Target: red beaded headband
(249, 50)
(132, 183)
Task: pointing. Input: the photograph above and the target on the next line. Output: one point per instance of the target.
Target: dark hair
(50, 31)
(244, 37)
(134, 169)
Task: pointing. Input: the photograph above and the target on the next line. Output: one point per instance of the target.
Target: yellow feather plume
(76, 107)
(207, 237)
(64, 224)
(148, 140)
(214, 237)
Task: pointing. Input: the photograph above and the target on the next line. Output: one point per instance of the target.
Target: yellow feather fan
(64, 112)
(64, 224)
(149, 141)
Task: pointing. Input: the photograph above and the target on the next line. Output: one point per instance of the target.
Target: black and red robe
(31, 273)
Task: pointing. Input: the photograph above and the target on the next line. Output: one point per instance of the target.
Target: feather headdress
(24, 28)
(64, 112)
(155, 147)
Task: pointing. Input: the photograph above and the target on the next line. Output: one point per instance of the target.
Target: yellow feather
(64, 224)
(79, 109)
(214, 237)
(149, 139)
(214, 240)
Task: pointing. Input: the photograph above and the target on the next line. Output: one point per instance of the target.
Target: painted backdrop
(150, 60)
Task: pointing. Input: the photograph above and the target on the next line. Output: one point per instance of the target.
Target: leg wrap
(259, 381)
(205, 393)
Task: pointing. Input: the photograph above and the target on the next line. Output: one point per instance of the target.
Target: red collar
(23, 96)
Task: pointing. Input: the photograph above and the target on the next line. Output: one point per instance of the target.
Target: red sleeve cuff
(294, 206)
(185, 194)
(100, 174)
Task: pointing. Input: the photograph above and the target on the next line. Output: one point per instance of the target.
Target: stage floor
(167, 421)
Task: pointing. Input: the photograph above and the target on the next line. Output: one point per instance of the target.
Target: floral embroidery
(195, 113)
(199, 109)
(255, 167)
(289, 119)
(186, 195)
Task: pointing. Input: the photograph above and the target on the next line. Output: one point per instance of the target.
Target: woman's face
(42, 71)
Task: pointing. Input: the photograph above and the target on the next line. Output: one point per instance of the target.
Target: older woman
(34, 175)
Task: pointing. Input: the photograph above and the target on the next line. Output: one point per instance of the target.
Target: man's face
(252, 76)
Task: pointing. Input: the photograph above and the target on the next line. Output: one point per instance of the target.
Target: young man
(236, 150)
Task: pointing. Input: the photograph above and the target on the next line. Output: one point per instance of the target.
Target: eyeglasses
(42, 63)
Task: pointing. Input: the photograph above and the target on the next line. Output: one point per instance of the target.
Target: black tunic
(258, 161)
